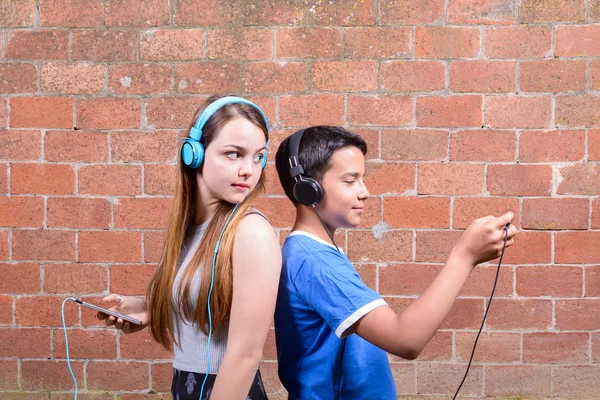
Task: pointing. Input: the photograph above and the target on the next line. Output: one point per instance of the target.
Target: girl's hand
(128, 305)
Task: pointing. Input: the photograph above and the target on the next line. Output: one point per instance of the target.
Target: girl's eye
(258, 158)
(233, 155)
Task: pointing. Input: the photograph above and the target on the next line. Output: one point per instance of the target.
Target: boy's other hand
(484, 238)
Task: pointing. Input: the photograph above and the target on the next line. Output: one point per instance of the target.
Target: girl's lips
(241, 186)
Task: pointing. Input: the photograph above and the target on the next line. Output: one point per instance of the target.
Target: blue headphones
(192, 151)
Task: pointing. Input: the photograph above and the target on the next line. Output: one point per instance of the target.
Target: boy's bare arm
(406, 335)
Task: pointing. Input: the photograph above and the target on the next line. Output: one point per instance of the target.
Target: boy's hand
(484, 238)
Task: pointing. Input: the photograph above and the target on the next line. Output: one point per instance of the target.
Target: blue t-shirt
(320, 296)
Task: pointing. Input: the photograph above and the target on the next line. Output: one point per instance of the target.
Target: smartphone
(109, 312)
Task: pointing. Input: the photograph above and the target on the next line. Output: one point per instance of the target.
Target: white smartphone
(109, 312)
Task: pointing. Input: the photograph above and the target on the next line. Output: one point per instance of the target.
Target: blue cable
(210, 290)
(67, 344)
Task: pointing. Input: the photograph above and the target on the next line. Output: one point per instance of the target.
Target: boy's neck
(307, 221)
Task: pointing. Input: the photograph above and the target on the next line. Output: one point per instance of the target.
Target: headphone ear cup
(192, 153)
(308, 191)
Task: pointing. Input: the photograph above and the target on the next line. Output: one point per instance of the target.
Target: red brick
(9, 375)
(445, 378)
(75, 278)
(577, 41)
(519, 180)
(376, 43)
(481, 282)
(578, 382)
(578, 111)
(207, 77)
(269, 376)
(49, 375)
(412, 76)
(162, 377)
(87, 343)
(154, 242)
(131, 279)
(410, 11)
(483, 145)
(139, 78)
(43, 245)
(4, 245)
(518, 380)
(386, 246)
(372, 214)
(492, 347)
(595, 344)
(214, 12)
(20, 278)
(556, 348)
(17, 13)
(394, 178)
(143, 146)
(172, 44)
(450, 178)
(172, 112)
(41, 112)
(529, 248)
(143, 347)
(78, 146)
(106, 246)
(561, 145)
(3, 112)
(6, 317)
(142, 213)
(594, 10)
(406, 279)
(579, 179)
(579, 314)
(308, 42)
(577, 247)
(20, 211)
(18, 78)
(44, 311)
(388, 110)
(345, 13)
(483, 76)
(103, 45)
(38, 45)
(71, 13)
(596, 214)
(521, 42)
(280, 211)
(17, 342)
(595, 74)
(20, 145)
(417, 212)
(42, 179)
(449, 111)
(159, 179)
(511, 314)
(518, 112)
(551, 280)
(435, 246)
(275, 77)
(553, 213)
(414, 145)
(446, 42)
(108, 113)
(405, 376)
(368, 274)
(552, 76)
(76, 78)
(137, 13)
(240, 44)
(76, 212)
(535, 11)
(468, 209)
(481, 12)
(308, 110)
(346, 75)
(107, 375)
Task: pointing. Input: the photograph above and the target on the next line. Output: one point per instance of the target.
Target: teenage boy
(332, 331)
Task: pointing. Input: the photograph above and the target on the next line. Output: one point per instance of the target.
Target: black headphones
(307, 191)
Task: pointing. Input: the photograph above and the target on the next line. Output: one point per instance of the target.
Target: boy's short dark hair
(317, 146)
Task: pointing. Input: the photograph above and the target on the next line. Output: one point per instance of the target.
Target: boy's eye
(234, 155)
(349, 182)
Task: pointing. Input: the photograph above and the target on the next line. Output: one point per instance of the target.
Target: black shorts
(187, 385)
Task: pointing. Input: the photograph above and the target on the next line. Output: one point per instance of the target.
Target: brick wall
(469, 108)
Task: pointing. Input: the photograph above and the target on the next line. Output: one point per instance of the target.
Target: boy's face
(344, 189)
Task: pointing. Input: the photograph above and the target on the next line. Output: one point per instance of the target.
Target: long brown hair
(159, 296)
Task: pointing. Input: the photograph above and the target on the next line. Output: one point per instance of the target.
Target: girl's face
(232, 162)
(344, 190)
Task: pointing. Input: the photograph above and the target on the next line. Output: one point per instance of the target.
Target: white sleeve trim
(356, 315)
